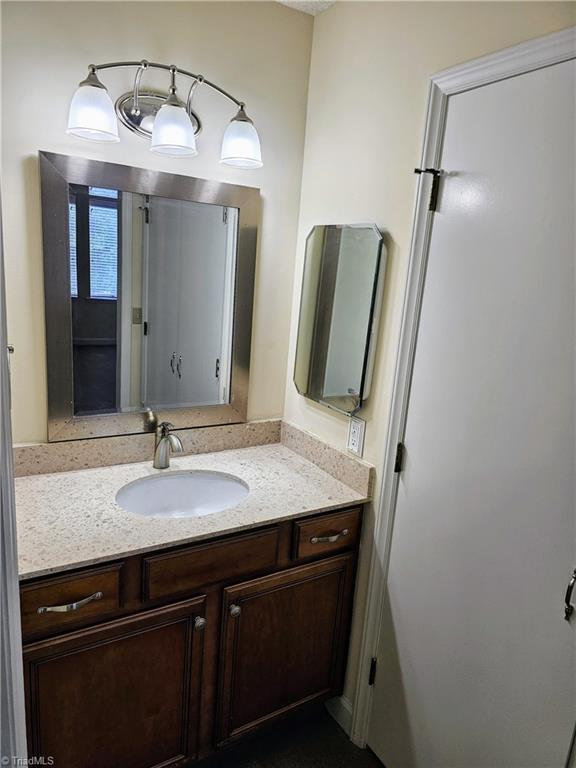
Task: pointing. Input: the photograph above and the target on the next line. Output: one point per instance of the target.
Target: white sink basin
(182, 494)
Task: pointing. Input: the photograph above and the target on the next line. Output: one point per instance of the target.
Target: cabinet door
(284, 642)
(124, 693)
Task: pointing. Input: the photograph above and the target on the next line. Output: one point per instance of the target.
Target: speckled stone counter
(71, 519)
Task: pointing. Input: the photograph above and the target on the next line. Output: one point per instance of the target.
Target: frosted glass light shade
(173, 132)
(92, 115)
(241, 145)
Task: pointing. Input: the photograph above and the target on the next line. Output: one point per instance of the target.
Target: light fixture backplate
(149, 103)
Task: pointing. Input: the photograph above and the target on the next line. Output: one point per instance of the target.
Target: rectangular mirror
(339, 310)
(149, 286)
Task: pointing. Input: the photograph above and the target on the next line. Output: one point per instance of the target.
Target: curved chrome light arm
(167, 68)
(199, 79)
(141, 69)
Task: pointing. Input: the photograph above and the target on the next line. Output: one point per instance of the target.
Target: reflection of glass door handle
(172, 361)
(179, 366)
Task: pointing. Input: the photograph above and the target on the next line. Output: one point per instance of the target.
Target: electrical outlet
(356, 436)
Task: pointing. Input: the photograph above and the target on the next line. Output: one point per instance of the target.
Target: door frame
(12, 708)
(510, 62)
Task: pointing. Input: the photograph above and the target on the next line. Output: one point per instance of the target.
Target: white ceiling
(313, 7)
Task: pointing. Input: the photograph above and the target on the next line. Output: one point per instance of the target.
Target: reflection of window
(72, 234)
(93, 222)
(103, 250)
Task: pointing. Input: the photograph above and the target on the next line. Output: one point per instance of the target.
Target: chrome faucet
(166, 443)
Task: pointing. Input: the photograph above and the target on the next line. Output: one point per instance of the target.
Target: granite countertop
(71, 519)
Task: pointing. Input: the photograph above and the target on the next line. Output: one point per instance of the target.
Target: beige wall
(370, 68)
(258, 51)
(366, 106)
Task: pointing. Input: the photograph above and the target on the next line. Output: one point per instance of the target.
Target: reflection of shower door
(185, 305)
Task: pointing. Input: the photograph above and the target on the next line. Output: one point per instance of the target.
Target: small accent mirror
(339, 310)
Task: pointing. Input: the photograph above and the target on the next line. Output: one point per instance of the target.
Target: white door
(476, 663)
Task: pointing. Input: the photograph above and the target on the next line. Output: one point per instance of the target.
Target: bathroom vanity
(167, 652)
(153, 635)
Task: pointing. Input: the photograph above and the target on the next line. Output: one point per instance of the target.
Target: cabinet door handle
(172, 361)
(568, 607)
(329, 539)
(71, 606)
(235, 611)
(199, 623)
(179, 366)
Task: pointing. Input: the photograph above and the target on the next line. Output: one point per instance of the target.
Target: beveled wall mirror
(339, 310)
(148, 281)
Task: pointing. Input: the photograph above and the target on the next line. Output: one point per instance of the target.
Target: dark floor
(308, 740)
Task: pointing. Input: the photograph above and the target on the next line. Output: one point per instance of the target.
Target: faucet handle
(163, 428)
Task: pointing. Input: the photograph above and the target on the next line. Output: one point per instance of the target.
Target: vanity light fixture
(170, 124)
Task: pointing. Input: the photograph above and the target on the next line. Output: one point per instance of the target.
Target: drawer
(81, 598)
(196, 567)
(326, 534)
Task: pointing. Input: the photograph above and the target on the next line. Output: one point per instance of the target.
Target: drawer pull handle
(71, 606)
(199, 623)
(235, 611)
(329, 539)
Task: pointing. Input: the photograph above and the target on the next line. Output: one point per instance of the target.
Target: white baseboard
(341, 710)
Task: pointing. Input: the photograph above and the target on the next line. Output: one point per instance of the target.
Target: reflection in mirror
(340, 302)
(148, 288)
(152, 286)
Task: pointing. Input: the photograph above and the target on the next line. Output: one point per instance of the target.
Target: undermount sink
(182, 494)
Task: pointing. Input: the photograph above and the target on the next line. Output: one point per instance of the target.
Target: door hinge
(399, 460)
(146, 211)
(217, 368)
(372, 673)
(224, 215)
(434, 190)
(145, 327)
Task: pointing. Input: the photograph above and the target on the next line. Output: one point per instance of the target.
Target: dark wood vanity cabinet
(283, 643)
(125, 693)
(167, 665)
